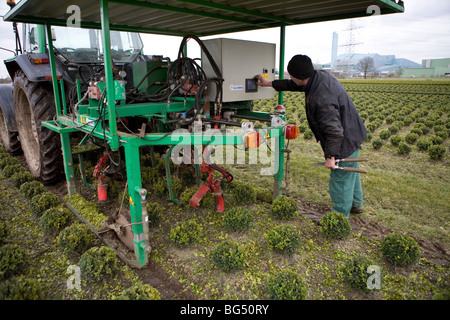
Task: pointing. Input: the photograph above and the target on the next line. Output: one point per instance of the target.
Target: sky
(421, 32)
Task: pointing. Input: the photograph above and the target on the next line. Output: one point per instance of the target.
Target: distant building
(429, 68)
(345, 64)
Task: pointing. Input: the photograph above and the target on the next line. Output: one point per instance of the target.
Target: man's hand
(262, 82)
(331, 163)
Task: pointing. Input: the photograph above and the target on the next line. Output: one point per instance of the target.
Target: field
(405, 192)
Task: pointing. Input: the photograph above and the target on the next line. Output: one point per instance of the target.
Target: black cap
(300, 67)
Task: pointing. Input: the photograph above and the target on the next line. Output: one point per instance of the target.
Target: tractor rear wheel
(34, 103)
(8, 139)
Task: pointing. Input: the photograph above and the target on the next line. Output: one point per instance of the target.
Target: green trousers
(345, 187)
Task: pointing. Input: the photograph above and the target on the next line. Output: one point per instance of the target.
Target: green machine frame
(235, 18)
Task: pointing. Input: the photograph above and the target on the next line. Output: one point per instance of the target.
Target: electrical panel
(240, 61)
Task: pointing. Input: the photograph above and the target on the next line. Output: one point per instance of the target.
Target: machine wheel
(9, 139)
(34, 103)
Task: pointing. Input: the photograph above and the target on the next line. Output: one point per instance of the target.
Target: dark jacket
(331, 114)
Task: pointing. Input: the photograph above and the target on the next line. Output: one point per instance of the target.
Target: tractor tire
(33, 103)
(9, 139)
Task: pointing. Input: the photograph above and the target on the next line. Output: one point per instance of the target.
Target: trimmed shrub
(185, 233)
(286, 285)
(98, 262)
(55, 219)
(31, 189)
(238, 219)
(7, 160)
(377, 143)
(395, 140)
(10, 169)
(23, 288)
(11, 258)
(436, 140)
(21, 177)
(42, 202)
(411, 138)
(436, 152)
(284, 208)
(403, 148)
(140, 292)
(335, 225)
(423, 144)
(154, 211)
(284, 239)
(75, 238)
(385, 134)
(399, 249)
(308, 134)
(264, 194)
(243, 192)
(355, 272)
(228, 256)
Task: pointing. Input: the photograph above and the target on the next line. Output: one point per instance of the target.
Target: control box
(240, 61)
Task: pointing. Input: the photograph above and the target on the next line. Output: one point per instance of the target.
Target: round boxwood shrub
(284, 208)
(335, 225)
(31, 189)
(228, 256)
(55, 219)
(75, 238)
(42, 202)
(154, 211)
(11, 169)
(411, 138)
(185, 233)
(284, 239)
(395, 140)
(385, 134)
(98, 262)
(21, 177)
(403, 148)
(243, 192)
(11, 258)
(237, 219)
(355, 272)
(423, 144)
(436, 152)
(140, 292)
(308, 134)
(23, 288)
(400, 249)
(436, 140)
(377, 143)
(286, 285)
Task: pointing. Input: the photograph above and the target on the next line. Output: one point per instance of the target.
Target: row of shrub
(95, 262)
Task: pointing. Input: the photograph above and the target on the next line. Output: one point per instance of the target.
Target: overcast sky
(421, 32)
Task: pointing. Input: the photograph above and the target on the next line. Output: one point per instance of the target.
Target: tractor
(94, 82)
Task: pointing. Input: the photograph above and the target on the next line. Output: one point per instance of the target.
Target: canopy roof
(199, 17)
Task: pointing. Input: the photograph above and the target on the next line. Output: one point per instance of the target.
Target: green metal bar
(63, 97)
(77, 82)
(239, 10)
(169, 174)
(281, 66)
(134, 183)
(278, 175)
(111, 103)
(68, 163)
(187, 11)
(41, 38)
(51, 56)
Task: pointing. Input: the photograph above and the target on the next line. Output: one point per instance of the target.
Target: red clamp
(102, 185)
(212, 185)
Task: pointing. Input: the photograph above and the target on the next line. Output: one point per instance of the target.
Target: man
(336, 124)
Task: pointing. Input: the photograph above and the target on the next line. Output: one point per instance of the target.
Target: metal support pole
(51, 57)
(279, 157)
(110, 91)
(281, 67)
(134, 188)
